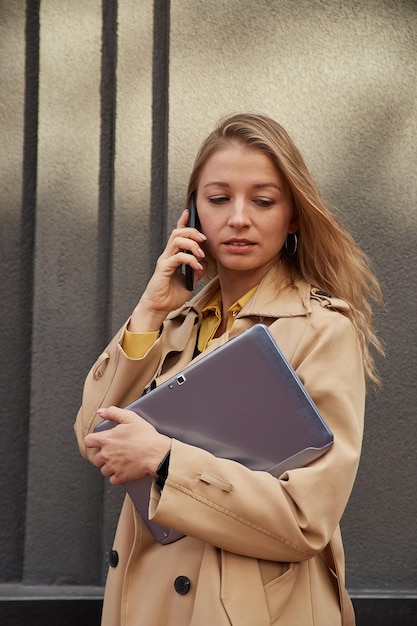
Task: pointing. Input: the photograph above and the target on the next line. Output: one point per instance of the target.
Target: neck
(234, 285)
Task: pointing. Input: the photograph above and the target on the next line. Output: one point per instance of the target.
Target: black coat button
(182, 585)
(113, 558)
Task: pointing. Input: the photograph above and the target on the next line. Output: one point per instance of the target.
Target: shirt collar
(274, 297)
(215, 303)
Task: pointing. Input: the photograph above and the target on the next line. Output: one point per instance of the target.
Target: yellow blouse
(135, 345)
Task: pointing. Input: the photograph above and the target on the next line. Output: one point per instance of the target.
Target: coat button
(113, 558)
(182, 585)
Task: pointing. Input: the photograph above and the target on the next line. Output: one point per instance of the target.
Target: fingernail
(201, 253)
(100, 411)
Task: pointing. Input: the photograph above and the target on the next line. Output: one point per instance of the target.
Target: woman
(257, 550)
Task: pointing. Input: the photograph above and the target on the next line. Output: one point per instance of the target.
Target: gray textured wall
(91, 180)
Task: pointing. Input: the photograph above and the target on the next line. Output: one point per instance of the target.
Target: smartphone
(193, 222)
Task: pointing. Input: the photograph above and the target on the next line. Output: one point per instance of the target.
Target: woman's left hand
(131, 450)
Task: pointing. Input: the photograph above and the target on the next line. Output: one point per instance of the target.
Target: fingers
(188, 240)
(107, 468)
(183, 219)
(190, 232)
(167, 289)
(187, 244)
(131, 450)
(184, 247)
(200, 270)
(181, 250)
(116, 414)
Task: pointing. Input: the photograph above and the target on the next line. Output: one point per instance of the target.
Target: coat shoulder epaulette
(326, 300)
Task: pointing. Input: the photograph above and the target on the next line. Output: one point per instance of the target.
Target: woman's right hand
(166, 290)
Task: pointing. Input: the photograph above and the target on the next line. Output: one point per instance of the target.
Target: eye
(218, 199)
(264, 203)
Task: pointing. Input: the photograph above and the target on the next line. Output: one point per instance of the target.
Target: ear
(293, 226)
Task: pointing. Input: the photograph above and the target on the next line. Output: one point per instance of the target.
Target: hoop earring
(291, 248)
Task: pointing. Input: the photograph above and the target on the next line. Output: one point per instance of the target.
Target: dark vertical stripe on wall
(15, 430)
(159, 166)
(106, 176)
(30, 162)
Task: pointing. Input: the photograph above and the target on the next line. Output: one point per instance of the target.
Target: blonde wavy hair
(326, 256)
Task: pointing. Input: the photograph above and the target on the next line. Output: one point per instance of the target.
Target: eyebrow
(256, 186)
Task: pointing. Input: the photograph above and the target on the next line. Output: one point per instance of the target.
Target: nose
(239, 216)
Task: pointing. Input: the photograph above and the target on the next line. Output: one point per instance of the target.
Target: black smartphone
(193, 222)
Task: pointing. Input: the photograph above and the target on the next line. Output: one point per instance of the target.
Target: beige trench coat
(259, 550)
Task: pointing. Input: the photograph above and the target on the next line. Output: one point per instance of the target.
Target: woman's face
(246, 211)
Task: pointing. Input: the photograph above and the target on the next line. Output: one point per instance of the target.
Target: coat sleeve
(293, 517)
(114, 379)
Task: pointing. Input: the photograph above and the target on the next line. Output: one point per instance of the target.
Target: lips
(239, 245)
(239, 242)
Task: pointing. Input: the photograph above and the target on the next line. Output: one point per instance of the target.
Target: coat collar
(273, 298)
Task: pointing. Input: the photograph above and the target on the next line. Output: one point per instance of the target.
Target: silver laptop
(242, 401)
